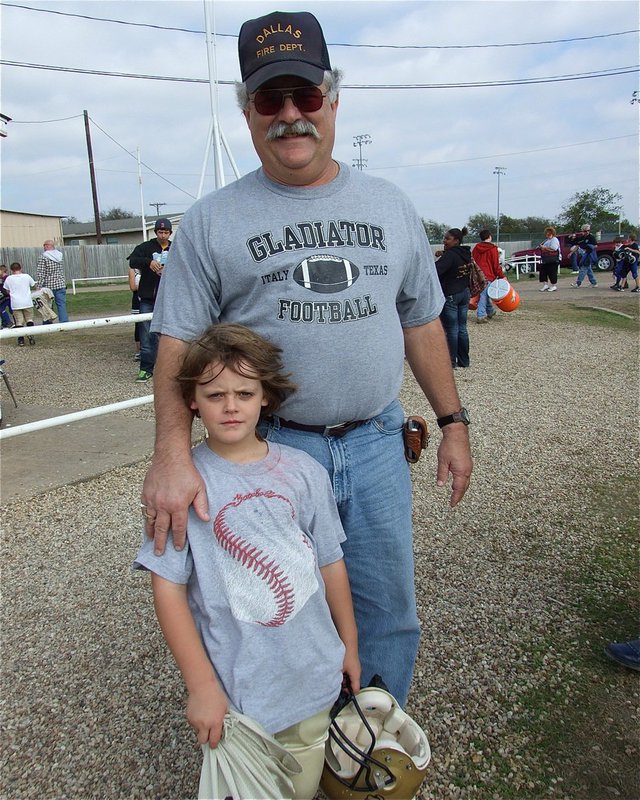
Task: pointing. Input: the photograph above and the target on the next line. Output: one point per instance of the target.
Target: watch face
(464, 416)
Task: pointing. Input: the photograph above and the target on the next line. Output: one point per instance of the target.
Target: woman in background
(453, 270)
(550, 251)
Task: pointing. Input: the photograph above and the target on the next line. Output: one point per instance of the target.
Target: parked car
(605, 254)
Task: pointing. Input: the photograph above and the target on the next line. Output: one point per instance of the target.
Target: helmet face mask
(374, 750)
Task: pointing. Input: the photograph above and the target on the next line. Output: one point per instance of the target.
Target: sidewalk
(34, 462)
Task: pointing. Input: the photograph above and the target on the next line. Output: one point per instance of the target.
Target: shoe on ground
(553, 288)
(625, 653)
(482, 320)
(31, 340)
(593, 285)
(21, 341)
(544, 288)
(144, 376)
(576, 285)
(136, 357)
(636, 290)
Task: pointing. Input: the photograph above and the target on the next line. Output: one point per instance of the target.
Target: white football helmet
(374, 750)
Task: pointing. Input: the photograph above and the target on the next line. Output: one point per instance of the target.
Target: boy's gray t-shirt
(254, 585)
(331, 274)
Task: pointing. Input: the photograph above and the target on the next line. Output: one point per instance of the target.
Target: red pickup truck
(605, 253)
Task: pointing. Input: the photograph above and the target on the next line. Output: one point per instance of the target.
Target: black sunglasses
(306, 99)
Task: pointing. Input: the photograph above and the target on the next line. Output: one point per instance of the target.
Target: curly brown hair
(242, 350)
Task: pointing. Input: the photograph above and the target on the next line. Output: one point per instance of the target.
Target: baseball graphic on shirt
(270, 573)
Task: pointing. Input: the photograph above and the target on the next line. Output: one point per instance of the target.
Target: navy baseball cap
(282, 43)
(162, 224)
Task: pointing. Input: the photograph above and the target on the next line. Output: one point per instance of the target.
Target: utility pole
(157, 207)
(94, 191)
(358, 141)
(498, 171)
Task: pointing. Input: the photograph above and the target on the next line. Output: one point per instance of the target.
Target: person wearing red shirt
(486, 256)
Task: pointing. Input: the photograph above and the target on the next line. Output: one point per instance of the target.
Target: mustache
(301, 127)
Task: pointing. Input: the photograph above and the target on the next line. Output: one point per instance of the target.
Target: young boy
(257, 608)
(19, 286)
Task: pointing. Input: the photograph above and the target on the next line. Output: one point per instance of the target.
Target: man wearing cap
(149, 259)
(586, 245)
(334, 267)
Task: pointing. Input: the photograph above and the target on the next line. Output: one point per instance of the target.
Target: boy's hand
(206, 708)
(351, 668)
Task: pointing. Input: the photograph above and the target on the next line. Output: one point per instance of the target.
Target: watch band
(457, 416)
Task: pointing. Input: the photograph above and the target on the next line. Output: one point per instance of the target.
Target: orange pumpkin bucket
(504, 295)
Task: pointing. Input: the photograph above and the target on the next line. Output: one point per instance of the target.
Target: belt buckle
(336, 430)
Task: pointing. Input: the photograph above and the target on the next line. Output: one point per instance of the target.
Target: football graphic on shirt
(270, 573)
(326, 274)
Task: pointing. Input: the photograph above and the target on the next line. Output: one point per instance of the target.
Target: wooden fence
(89, 261)
(105, 260)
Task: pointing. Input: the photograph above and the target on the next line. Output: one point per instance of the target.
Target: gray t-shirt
(331, 274)
(254, 585)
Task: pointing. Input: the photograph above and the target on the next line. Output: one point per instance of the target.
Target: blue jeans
(372, 487)
(586, 269)
(148, 340)
(485, 306)
(60, 296)
(454, 321)
(5, 312)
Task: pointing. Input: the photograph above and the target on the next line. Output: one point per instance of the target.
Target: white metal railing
(62, 327)
(64, 419)
(106, 278)
(525, 264)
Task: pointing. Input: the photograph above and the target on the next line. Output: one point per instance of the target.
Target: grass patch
(595, 317)
(99, 304)
(579, 718)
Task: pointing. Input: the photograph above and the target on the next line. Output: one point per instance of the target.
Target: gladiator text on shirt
(314, 235)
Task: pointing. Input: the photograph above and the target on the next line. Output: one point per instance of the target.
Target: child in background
(5, 302)
(19, 286)
(257, 608)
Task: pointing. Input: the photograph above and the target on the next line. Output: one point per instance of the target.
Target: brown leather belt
(325, 430)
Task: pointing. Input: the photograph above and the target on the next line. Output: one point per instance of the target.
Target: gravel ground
(511, 655)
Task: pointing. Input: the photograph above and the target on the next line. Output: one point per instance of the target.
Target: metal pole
(213, 92)
(143, 220)
(94, 190)
(358, 141)
(498, 171)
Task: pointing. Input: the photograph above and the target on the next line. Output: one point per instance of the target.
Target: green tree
(598, 207)
(71, 220)
(482, 221)
(116, 213)
(435, 230)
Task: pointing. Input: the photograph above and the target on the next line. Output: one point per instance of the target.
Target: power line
(157, 174)
(603, 73)
(504, 155)
(330, 44)
(43, 121)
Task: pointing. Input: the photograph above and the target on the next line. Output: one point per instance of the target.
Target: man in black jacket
(149, 259)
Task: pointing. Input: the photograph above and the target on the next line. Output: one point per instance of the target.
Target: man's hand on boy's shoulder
(167, 493)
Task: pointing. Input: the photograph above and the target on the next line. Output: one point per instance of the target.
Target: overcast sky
(440, 144)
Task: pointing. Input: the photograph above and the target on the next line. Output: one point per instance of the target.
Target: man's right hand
(169, 489)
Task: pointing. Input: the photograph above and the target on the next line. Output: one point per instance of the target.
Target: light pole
(358, 141)
(498, 171)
